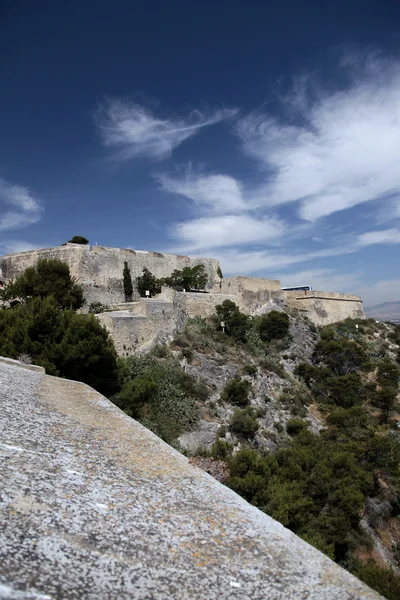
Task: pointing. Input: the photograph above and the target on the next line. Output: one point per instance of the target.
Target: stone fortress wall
(99, 269)
(326, 307)
(136, 326)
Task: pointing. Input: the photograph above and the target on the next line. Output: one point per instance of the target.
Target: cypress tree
(128, 288)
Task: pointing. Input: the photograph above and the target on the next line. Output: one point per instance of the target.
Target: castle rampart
(144, 322)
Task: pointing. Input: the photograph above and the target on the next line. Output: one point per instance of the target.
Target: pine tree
(128, 288)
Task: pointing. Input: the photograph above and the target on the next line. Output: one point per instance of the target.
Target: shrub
(221, 449)
(250, 370)
(385, 581)
(274, 326)
(97, 307)
(160, 394)
(271, 364)
(295, 426)
(187, 353)
(244, 422)
(388, 373)
(236, 392)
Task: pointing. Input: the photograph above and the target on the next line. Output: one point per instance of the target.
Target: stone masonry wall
(99, 269)
(149, 322)
(254, 295)
(326, 307)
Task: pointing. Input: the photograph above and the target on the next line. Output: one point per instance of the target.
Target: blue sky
(265, 134)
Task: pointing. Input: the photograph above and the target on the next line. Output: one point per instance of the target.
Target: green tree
(67, 344)
(236, 391)
(189, 278)
(49, 277)
(341, 356)
(385, 399)
(148, 282)
(388, 373)
(236, 322)
(128, 287)
(244, 422)
(274, 326)
(78, 239)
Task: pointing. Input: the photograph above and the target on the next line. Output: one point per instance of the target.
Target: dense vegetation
(49, 277)
(160, 394)
(39, 321)
(317, 485)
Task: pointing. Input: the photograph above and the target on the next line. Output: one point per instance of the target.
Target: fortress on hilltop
(137, 325)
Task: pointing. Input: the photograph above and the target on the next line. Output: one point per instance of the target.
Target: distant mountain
(388, 311)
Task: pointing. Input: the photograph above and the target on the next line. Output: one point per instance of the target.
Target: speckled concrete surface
(94, 506)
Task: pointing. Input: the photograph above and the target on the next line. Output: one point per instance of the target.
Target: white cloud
(11, 246)
(135, 130)
(338, 149)
(214, 193)
(386, 236)
(18, 208)
(227, 230)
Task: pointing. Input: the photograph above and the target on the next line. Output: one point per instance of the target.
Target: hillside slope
(304, 426)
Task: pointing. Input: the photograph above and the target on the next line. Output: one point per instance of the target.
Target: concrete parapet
(96, 506)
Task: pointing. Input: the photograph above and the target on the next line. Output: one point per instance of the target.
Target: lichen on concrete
(94, 506)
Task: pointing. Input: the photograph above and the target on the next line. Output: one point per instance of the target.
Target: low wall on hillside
(145, 323)
(203, 305)
(323, 308)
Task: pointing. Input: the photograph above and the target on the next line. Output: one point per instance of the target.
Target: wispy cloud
(227, 230)
(134, 130)
(18, 207)
(386, 236)
(338, 148)
(208, 192)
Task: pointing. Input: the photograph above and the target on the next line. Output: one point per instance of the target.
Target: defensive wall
(137, 325)
(95, 506)
(100, 269)
(323, 308)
